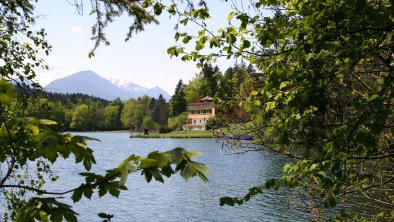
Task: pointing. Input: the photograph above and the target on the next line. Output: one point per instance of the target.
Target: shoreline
(178, 135)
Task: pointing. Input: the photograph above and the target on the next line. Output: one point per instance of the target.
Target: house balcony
(201, 116)
(200, 106)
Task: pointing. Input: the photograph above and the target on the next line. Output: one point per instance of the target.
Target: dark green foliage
(30, 143)
(106, 217)
(145, 113)
(73, 98)
(46, 209)
(210, 74)
(164, 130)
(178, 103)
(160, 111)
(214, 124)
(78, 112)
(325, 87)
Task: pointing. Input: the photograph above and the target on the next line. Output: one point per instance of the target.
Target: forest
(78, 112)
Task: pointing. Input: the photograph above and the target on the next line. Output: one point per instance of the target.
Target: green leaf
(190, 155)
(176, 155)
(148, 163)
(114, 191)
(330, 202)
(186, 39)
(158, 177)
(124, 176)
(161, 158)
(254, 93)
(188, 171)
(43, 216)
(47, 122)
(146, 4)
(167, 171)
(157, 8)
(102, 191)
(103, 215)
(248, 107)
(56, 215)
(199, 167)
(270, 106)
(87, 192)
(283, 84)
(202, 177)
(246, 44)
(231, 16)
(148, 175)
(77, 195)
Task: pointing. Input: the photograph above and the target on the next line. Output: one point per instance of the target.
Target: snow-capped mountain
(138, 90)
(89, 82)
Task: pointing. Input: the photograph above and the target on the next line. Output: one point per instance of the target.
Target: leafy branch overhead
(141, 12)
(31, 139)
(156, 165)
(326, 99)
(107, 11)
(29, 146)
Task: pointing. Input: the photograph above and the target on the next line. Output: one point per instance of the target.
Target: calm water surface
(176, 199)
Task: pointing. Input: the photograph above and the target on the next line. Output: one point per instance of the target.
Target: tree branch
(60, 193)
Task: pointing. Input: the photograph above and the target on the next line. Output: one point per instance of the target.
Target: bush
(164, 130)
(215, 123)
(177, 122)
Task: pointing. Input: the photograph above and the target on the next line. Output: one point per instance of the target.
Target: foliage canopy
(327, 90)
(30, 145)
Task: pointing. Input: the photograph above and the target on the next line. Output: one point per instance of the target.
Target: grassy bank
(234, 129)
(180, 134)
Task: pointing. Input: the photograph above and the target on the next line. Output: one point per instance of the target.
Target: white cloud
(44, 77)
(78, 29)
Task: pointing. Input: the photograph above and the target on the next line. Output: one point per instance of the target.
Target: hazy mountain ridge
(90, 83)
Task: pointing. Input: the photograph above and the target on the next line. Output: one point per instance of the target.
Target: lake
(176, 199)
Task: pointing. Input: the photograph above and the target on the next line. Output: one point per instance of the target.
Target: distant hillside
(90, 83)
(64, 98)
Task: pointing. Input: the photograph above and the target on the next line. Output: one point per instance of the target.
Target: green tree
(328, 90)
(196, 89)
(81, 118)
(112, 117)
(178, 103)
(160, 111)
(148, 123)
(27, 141)
(145, 101)
(211, 76)
(97, 117)
(177, 122)
(138, 117)
(128, 114)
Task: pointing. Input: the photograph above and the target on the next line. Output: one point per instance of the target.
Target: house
(199, 113)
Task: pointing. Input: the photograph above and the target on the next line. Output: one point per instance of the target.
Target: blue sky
(142, 60)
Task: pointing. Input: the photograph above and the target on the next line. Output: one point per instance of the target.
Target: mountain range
(90, 83)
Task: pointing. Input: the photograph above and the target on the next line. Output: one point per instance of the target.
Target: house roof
(207, 98)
